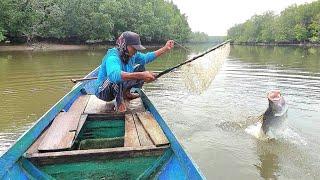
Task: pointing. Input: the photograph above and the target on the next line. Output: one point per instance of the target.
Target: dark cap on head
(133, 39)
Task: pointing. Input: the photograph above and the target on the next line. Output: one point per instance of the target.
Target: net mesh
(199, 74)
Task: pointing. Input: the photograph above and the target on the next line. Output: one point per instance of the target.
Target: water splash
(255, 130)
(285, 134)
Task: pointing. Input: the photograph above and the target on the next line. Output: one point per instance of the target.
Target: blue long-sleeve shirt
(112, 65)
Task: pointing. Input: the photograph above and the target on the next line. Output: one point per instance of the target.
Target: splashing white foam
(286, 134)
(255, 130)
(291, 136)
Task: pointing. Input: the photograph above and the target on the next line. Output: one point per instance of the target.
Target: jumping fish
(275, 116)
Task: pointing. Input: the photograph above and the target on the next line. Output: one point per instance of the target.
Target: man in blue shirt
(123, 68)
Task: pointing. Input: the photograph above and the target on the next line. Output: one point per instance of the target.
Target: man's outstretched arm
(169, 45)
(142, 58)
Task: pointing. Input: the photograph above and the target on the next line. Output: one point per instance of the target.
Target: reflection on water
(269, 164)
(211, 124)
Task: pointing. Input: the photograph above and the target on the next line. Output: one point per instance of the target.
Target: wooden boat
(80, 137)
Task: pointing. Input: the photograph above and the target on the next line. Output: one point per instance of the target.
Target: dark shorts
(109, 91)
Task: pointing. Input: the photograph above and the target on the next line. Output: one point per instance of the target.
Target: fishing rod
(92, 78)
(83, 79)
(169, 69)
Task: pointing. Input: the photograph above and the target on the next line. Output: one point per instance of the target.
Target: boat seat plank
(58, 136)
(98, 106)
(131, 135)
(61, 133)
(75, 156)
(34, 147)
(142, 134)
(153, 129)
(76, 110)
(136, 105)
(82, 120)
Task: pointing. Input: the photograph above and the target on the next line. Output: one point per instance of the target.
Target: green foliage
(3, 15)
(314, 28)
(2, 31)
(197, 37)
(82, 20)
(295, 24)
(301, 32)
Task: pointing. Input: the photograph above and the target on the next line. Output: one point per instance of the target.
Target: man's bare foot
(130, 96)
(122, 107)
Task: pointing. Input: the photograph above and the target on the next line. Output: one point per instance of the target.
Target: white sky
(216, 17)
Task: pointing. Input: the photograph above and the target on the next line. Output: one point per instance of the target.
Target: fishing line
(187, 49)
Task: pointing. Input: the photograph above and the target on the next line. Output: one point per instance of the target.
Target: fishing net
(199, 74)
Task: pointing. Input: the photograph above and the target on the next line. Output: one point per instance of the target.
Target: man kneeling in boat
(122, 68)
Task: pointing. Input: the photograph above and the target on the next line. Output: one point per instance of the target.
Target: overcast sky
(216, 17)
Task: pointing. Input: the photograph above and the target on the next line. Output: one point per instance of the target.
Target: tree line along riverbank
(93, 21)
(296, 25)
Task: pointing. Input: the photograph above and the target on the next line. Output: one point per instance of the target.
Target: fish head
(277, 104)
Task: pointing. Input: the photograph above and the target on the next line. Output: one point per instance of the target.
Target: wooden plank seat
(131, 138)
(143, 136)
(98, 106)
(34, 147)
(142, 146)
(135, 134)
(153, 129)
(141, 129)
(63, 130)
(76, 156)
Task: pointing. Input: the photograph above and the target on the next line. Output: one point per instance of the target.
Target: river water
(211, 123)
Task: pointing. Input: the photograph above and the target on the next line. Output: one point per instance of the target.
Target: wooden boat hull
(165, 162)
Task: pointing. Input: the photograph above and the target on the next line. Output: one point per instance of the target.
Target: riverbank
(59, 47)
(276, 44)
(49, 47)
